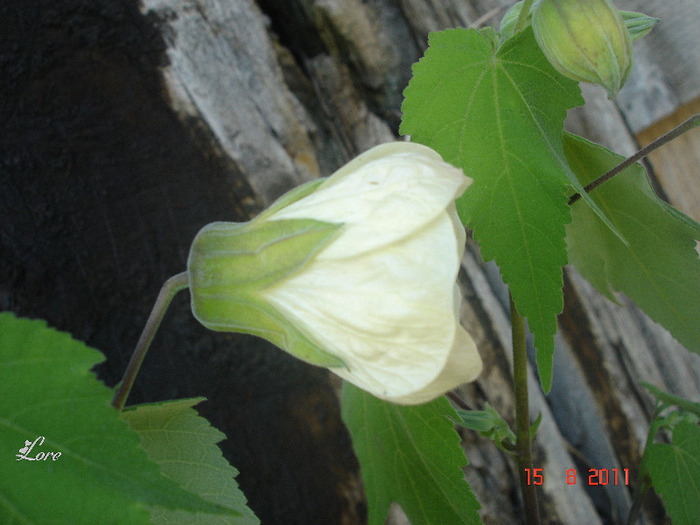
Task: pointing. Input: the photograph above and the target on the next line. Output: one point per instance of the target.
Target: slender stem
(643, 483)
(641, 490)
(458, 401)
(167, 292)
(523, 452)
(522, 18)
(689, 124)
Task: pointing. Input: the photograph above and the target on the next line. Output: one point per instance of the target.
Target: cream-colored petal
(389, 314)
(382, 199)
(463, 366)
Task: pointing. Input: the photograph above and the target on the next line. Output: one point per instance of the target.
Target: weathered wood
(201, 110)
(223, 70)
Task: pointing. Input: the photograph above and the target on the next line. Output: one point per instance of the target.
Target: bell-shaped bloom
(356, 273)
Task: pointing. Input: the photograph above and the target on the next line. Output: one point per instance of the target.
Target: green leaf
(101, 474)
(478, 420)
(184, 445)
(498, 113)
(670, 399)
(659, 268)
(675, 473)
(410, 455)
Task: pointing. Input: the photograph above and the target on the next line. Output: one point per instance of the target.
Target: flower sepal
(230, 264)
(638, 24)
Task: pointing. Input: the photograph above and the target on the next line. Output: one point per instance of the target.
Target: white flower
(379, 290)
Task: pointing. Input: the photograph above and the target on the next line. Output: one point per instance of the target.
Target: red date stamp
(595, 477)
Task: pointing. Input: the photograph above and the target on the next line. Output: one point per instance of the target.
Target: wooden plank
(223, 70)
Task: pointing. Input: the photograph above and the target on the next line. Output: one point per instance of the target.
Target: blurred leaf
(184, 445)
(659, 268)
(490, 424)
(102, 475)
(410, 455)
(682, 403)
(478, 420)
(675, 473)
(534, 426)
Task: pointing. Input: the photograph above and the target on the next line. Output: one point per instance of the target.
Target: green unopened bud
(585, 40)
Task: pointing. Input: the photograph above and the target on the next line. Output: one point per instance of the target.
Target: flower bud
(585, 40)
(356, 273)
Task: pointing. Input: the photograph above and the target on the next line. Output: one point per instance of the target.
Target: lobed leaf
(101, 474)
(183, 444)
(410, 455)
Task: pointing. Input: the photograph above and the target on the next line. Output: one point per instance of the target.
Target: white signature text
(26, 450)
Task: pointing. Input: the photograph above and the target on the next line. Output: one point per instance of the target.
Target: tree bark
(128, 126)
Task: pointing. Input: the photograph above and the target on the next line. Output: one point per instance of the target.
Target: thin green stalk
(643, 483)
(459, 401)
(523, 452)
(640, 492)
(689, 124)
(167, 292)
(522, 18)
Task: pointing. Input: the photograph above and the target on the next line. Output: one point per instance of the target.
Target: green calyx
(231, 263)
(638, 24)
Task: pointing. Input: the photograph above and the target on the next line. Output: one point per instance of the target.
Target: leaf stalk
(643, 482)
(522, 18)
